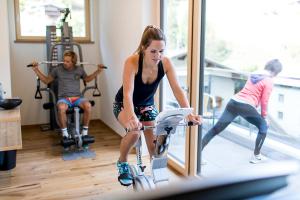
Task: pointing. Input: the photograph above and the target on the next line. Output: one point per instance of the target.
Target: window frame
(174, 162)
(20, 38)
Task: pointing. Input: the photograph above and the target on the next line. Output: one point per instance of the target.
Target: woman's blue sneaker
(125, 177)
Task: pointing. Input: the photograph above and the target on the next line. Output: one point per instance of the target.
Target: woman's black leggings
(249, 113)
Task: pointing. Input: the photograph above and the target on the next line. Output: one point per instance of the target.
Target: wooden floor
(42, 174)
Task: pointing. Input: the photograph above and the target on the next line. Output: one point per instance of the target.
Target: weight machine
(55, 51)
(56, 46)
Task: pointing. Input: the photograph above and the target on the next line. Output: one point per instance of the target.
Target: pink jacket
(257, 91)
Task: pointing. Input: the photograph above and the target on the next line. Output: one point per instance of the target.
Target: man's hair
(150, 33)
(274, 66)
(72, 54)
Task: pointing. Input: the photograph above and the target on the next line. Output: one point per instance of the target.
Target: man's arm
(45, 79)
(95, 74)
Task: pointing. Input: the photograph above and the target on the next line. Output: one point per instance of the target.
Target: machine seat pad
(71, 110)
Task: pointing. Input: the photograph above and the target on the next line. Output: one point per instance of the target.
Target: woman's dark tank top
(143, 94)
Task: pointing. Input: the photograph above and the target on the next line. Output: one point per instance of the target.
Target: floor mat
(78, 154)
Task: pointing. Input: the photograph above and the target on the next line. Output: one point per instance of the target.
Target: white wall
(121, 27)
(5, 77)
(291, 119)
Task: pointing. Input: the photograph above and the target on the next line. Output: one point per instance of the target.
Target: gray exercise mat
(78, 154)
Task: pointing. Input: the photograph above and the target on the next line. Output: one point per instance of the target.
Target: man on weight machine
(68, 76)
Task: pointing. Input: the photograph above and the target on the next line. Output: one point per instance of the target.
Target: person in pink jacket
(255, 93)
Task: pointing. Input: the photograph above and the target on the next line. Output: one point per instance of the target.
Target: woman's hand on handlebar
(133, 123)
(195, 119)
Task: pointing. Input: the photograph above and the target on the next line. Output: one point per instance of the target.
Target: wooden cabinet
(10, 129)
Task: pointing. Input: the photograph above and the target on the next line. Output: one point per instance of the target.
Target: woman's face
(154, 52)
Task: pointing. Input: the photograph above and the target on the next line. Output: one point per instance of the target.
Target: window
(237, 38)
(280, 115)
(281, 98)
(51, 12)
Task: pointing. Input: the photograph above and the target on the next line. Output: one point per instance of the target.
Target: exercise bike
(165, 125)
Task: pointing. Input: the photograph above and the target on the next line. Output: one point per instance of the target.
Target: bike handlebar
(153, 127)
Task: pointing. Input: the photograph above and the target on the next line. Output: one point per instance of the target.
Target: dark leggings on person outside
(249, 113)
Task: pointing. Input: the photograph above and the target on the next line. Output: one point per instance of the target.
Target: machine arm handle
(60, 62)
(96, 92)
(38, 94)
